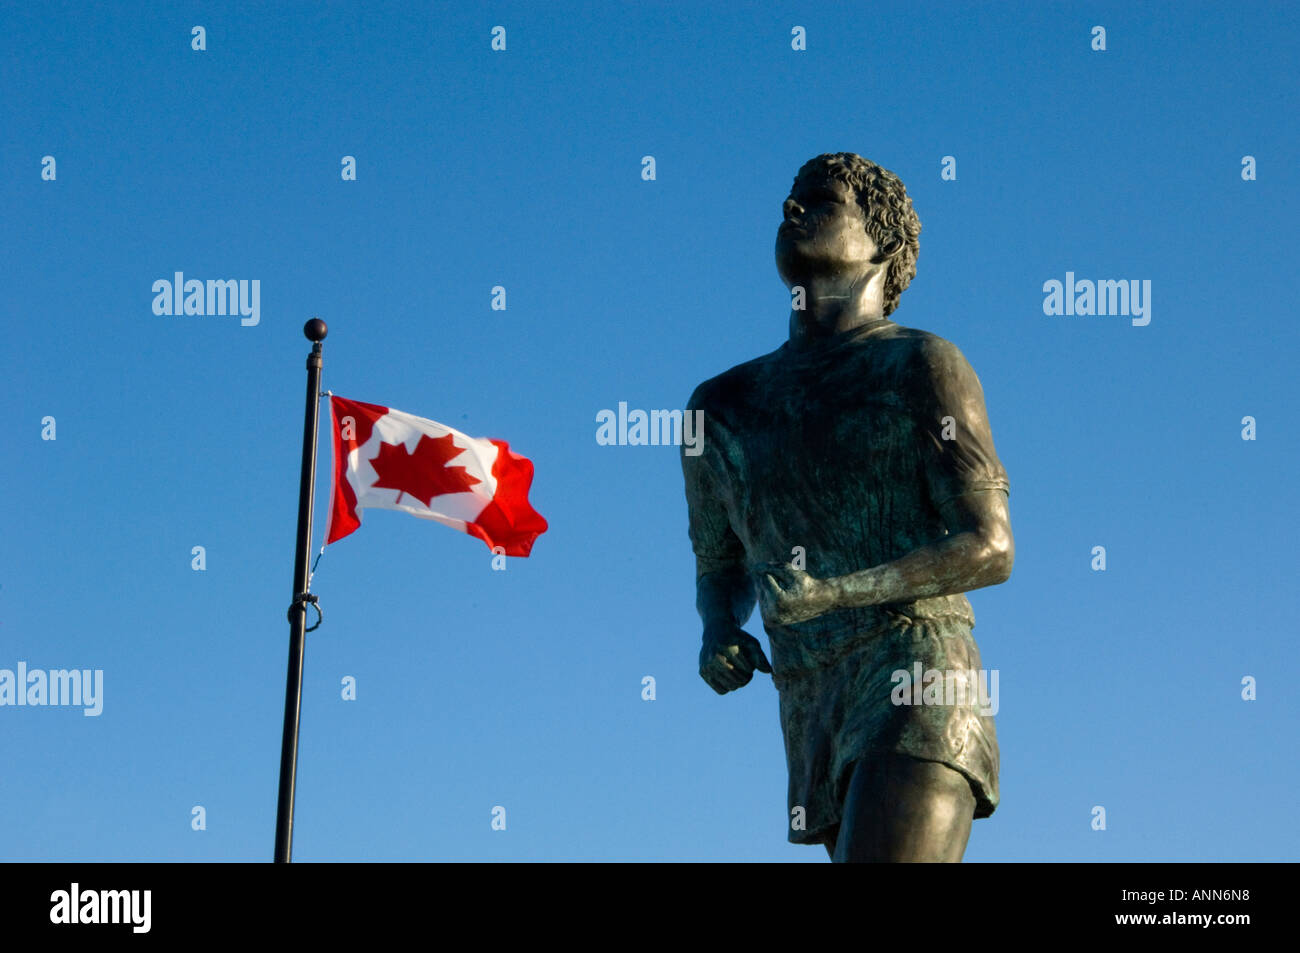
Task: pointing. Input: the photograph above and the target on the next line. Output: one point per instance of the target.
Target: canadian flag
(389, 460)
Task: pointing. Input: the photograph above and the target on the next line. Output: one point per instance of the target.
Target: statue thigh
(902, 809)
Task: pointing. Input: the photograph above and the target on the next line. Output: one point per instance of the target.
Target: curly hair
(888, 210)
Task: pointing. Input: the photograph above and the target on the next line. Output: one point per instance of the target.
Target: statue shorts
(870, 695)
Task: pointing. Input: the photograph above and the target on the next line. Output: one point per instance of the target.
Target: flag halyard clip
(302, 599)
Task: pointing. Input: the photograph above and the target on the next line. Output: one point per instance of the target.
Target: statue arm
(729, 656)
(965, 482)
(978, 551)
(724, 590)
(723, 597)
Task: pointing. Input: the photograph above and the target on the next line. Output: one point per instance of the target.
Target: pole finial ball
(315, 330)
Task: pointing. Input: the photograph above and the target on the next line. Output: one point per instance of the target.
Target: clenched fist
(729, 657)
(788, 595)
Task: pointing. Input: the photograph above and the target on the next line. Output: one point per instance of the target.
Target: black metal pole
(315, 331)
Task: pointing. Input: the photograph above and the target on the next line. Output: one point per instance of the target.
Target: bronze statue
(849, 485)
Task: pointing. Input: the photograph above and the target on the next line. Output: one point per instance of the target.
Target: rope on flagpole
(308, 597)
(311, 575)
(315, 603)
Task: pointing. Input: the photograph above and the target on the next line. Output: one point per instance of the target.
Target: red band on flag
(344, 518)
(509, 520)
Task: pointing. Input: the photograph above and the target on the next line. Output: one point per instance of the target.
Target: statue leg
(901, 809)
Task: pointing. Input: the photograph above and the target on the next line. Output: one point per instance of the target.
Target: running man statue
(848, 485)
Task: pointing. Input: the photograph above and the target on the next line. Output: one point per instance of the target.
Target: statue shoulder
(928, 353)
(937, 378)
(729, 387)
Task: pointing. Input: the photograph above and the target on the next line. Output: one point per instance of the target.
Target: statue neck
(833, 307)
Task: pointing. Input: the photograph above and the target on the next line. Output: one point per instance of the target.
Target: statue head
(845, 214)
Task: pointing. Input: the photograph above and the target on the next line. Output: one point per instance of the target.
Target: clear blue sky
(523, 169)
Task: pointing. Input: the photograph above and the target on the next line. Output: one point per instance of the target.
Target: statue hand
(729, 657)
(787, 595)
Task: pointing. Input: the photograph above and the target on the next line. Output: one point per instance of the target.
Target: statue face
(824, 232)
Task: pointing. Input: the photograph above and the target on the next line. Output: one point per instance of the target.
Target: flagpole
(315, 331)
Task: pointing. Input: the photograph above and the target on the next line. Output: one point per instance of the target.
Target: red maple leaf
(424, 474)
